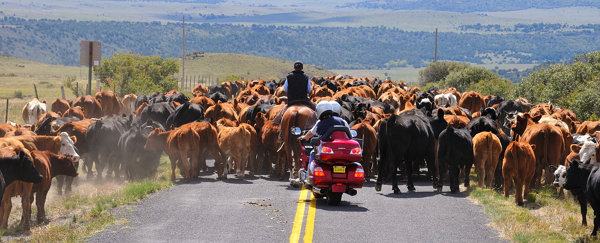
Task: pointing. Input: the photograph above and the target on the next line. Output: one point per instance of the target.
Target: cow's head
(560, 175)
(67, 146)
(67, 165)
(588, 152)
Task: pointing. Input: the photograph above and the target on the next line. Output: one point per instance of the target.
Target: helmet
(336, 108)
(323, 108)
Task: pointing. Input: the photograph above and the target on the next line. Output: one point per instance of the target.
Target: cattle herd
(404, 130)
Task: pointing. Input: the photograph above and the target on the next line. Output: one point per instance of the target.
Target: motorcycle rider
(327, 119)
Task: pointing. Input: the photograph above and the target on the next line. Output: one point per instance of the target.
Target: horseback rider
(298, 86)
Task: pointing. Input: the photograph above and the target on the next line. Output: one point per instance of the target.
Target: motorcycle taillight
(318, 171)
(359, 173)
(326, 150)
(356, 150)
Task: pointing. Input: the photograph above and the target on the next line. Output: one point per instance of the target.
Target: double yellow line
(310, 218)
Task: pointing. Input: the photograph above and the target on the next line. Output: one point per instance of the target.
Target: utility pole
(435, 58)
(183, 57)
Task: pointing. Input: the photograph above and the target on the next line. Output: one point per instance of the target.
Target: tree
(500, 87)
(437, 71)
(462, 79)
(133, 73)
(70, 83)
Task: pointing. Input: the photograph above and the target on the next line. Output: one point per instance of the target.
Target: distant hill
(471, 5)
(247, 67)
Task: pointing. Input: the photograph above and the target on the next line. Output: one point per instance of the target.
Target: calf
(179, 145)
(367, 133)
(235, 143)
(486, 151)
(518, 166)
(586, 177)
(137, 162)
(49, 165)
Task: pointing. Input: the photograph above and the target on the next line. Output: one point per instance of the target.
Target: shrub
(18, 94)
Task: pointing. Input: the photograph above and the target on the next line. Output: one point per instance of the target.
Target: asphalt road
(260, 209)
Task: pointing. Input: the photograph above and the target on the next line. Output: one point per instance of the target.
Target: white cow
(443, 100)
(32, 110)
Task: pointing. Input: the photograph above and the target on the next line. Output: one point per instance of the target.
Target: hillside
(472, 5)
(247, 67)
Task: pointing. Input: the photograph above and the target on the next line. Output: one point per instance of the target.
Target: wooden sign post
(90, 56)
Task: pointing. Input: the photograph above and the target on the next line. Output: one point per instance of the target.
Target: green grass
(547, 219)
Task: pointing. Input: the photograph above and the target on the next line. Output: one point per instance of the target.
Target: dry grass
(86, 210)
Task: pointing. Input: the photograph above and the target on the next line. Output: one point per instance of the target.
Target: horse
(295, 116)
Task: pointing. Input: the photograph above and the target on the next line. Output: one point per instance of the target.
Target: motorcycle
(335, 169)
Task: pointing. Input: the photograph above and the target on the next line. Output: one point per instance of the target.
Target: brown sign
(93, 51)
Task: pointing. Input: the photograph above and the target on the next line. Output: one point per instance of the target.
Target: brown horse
(295, 116)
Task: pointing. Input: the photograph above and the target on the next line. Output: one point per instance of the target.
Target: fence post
(76, 89)
(62, 90)
(36, 94)
(6, 118)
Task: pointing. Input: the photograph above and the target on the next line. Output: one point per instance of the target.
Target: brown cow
(548, 140)
(21, 131)
(236, 146)
(60, 105)
(588, 127)
(268, 136)
(200, 90)
(180, 145)
(75, 112)
(221, 110)
(204, 101)
(319, 92)
(44, 116)
(457, 121)
(91, 107)
(128, 103)
(472, 101)
(138, 111)
(368, 134)
(518, 166)
(5, 128)
(208, 143)
(109, 102)
(486, 151)
(49, 165)
(77, 129)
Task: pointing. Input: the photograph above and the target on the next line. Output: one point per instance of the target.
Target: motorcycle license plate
(339, 169)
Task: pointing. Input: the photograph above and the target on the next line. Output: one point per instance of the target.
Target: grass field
(287, 12)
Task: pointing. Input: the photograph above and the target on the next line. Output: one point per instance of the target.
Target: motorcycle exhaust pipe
(351, 192)
(319, 190)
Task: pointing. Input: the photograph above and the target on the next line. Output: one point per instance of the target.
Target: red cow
(75, 112)
(179, 145)
(518, 166)
(235, 143)
(128, 103)
(486, 150)
(91, 107)
(472, 101)
(109, 102)
(60, 105)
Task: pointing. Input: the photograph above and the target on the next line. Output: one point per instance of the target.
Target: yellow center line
(297, 228)
(310, 219)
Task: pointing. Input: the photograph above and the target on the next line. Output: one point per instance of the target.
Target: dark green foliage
(500, 87)
(58, 41)
(574, 86)
(133, 73)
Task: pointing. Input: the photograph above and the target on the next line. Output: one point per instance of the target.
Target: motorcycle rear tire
(334, 198)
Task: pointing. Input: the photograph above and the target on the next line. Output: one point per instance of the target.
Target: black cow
(253, 111)
(19, 167)
(495, 100)
(425, 100)
(406, 137)
(586, 177)
(137, 162)
(505, 140)
(104, 135)
(141, 99)
(505, 109)
(482, 124)
(219, 89)
(50, 124)
(455, 148)
(272, 86)
(159, 112)
(185, 113)
(218, 96)
(179, 98)
(158, 99)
